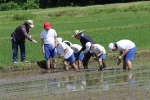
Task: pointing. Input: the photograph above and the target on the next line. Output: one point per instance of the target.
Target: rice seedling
(97, 32)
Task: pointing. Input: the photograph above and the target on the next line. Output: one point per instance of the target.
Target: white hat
(110, 46)
(30, 23)
(88, 45)
(77, 32)
(58, 40)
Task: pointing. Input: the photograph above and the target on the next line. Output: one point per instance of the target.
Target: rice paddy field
(105, 24)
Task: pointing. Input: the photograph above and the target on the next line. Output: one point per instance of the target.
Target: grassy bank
(141, 58)
(104, 23)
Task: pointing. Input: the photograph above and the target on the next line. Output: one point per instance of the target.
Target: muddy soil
(124, 93)
(117, 94)
(141, 58)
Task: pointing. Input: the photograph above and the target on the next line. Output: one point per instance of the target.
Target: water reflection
(105, 85)
(123, 78)
(52, 85)
(83, 80)
(77, 83)
(131, 81)
(97, 81)
(65, 84)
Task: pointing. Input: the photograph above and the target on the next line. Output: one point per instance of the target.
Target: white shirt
(76, 48)
(122, 44)
(61, 48)
(97, 49)
(49, 37)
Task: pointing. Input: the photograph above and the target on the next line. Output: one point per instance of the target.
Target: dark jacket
(21, 32)
(84, 39)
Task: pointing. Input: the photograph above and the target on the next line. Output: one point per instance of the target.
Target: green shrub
(9, 6)
(14, 6)
(5, 6)
(133, 8)
(30, 5)
(24, 16)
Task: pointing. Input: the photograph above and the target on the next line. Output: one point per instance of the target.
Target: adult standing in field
(127, 51)
(18, 39)
(99, 51)
(83, 40)
(48, 36)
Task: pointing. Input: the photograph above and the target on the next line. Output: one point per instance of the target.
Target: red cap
(47, 25)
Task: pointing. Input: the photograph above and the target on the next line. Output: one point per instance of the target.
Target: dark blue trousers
(15, 44)
(85, 60)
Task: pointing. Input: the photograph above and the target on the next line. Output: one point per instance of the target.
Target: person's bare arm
(100, 53)
(65, 51)
(123, 53)
(42, 45)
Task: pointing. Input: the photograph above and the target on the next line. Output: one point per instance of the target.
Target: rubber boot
(85, 67)
(85, 64)
(104, 64)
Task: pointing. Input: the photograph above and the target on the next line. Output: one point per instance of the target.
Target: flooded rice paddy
(113, 83)
(106, 80)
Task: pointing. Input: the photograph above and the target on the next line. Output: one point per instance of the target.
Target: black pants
(85, 60)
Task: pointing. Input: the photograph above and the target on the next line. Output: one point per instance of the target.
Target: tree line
(35, 4)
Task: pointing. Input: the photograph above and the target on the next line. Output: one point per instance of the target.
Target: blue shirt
(84, 39)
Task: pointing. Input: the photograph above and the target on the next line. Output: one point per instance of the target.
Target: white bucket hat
(88, 45)
(58, 40)
(110, 46)
(30, 23)
(77, 32)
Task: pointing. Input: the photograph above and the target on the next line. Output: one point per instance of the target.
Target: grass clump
(22, 17)
(1, 66)
(56, 14)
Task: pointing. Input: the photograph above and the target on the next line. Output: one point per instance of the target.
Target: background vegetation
(104, 23)
(6, 5)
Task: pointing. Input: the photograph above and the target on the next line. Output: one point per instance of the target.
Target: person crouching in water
(67, 53)
(76, 48)
(127, 51)
(99, 51)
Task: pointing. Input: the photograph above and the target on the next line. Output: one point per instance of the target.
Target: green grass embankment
(104, 23)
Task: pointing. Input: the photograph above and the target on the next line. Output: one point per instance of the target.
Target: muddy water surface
(32, 84)
(42, 84)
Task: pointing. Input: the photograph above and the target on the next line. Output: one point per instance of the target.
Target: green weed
(23, 17)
